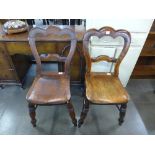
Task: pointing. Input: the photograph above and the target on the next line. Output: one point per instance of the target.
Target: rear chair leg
(84, 112)
(72, 113)
(32, 114)
(122, 113)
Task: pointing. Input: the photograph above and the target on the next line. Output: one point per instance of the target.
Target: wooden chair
(104, 88)
(51, 88)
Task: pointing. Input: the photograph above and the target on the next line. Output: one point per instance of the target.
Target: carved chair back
(105, 31)
(52, 33)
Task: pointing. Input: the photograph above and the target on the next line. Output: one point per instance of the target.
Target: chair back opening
(53, 34)
(109, 56)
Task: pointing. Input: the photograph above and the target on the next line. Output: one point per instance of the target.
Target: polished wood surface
(104, 89)
(50, 90)
(100, 87)
(18, 44)
(51, 87)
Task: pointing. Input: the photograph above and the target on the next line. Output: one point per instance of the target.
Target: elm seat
(48, 90)
(105, 89)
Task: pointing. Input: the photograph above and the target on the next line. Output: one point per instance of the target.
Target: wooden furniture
(13, 68)
(51, 88)
(104, 88)
(145, 66)
(15, 55)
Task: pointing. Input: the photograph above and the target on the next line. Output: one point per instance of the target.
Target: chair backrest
(105, 31)
(52, 33)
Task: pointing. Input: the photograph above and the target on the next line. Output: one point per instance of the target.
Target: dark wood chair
(104, 88)
(51, 88)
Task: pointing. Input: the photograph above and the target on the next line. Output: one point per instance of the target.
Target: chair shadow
(100, 130)
(56, 128)
(41, 129)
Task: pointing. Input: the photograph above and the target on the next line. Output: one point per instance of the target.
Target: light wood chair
(51, 88)
(104, 88)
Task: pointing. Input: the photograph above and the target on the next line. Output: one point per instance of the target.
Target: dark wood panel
(144, 70)
(150, 42)
(148, 52)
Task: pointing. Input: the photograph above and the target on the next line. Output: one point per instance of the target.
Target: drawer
(24, 47)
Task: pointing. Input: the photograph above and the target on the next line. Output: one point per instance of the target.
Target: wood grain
(100, 87)
(51, 88)
(105, 89)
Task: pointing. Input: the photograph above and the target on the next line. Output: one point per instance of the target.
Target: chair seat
(49, 90)
(105, 89)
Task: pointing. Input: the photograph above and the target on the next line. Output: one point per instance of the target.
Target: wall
(139, 30)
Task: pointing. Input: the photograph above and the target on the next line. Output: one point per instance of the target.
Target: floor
(14, 118)
(142, 92)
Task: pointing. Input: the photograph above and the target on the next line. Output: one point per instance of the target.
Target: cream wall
(139, 30)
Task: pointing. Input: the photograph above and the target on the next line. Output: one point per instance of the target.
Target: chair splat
(103, 58)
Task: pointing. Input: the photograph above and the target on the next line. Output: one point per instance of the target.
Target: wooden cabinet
(12, 68)
(145, 66)
(6, 68)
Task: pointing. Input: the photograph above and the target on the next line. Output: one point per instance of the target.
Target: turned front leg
(72, 113)
(32, 114)
(122, 113)
(84, 112)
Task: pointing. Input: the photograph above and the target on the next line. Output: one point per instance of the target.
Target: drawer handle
(10, 69)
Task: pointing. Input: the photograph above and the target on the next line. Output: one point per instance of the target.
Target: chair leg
(84, 112)
(32, 114)
(122, 113)
(71, 112)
